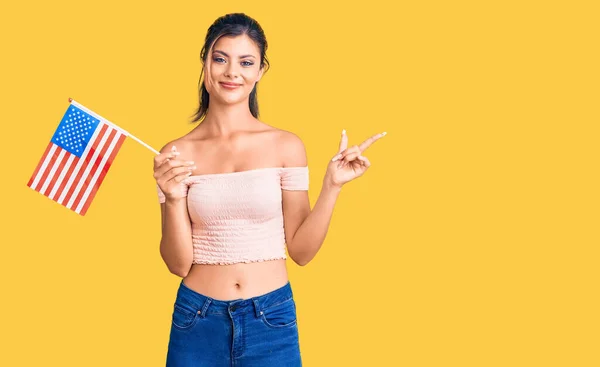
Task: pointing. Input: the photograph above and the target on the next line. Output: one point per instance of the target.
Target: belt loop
(204, 307)
(257, 310)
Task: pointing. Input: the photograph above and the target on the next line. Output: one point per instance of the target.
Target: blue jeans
(258, 331)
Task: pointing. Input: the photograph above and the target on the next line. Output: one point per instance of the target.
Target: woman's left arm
(306, 229)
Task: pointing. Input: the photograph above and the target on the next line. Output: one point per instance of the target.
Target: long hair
(234, 24)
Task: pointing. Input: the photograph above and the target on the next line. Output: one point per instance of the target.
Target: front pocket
(281, 315)
(183, 318)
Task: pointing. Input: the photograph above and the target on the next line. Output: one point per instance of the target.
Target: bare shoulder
(291, 149)
(183, 145)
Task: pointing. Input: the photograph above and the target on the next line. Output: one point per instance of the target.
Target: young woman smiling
(234, 197)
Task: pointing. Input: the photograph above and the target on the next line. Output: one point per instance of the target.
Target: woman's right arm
(176, 242)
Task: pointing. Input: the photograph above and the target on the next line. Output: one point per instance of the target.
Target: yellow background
(472, 240)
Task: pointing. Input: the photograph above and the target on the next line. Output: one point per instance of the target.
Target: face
(232, 69)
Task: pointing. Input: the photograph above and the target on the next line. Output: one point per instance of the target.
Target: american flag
(77, 158)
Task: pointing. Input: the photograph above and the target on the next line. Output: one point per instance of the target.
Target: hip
(258, 331)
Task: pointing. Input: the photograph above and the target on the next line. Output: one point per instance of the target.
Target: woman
(233, 194)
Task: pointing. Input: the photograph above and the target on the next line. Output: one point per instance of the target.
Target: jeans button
(233, 308)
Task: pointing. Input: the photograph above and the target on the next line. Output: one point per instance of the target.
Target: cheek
(211, 77)
(214, 71)
(251, 76)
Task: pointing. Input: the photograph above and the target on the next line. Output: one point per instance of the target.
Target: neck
(223, 120)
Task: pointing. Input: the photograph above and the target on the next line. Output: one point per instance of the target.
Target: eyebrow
(241, 57)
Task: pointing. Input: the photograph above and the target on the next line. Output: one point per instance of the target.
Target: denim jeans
(260, 331)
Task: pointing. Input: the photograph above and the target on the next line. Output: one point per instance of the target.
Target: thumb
(343, 141)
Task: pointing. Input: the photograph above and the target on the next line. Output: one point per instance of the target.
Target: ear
(261, 71)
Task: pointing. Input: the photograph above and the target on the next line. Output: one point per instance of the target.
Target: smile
(230, 85)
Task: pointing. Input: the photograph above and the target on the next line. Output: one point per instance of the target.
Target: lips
(229, 85)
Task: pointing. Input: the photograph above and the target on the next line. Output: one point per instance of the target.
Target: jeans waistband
(207, 305)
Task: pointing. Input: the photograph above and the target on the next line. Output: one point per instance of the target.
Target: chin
(233, 99)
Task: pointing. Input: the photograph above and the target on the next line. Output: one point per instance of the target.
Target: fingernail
(173, 148)
(384, 133)
(175, 153)
(344, 132)
(190, 162)
(336, 157)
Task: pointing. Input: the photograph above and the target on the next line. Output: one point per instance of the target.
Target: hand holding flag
(77, 158)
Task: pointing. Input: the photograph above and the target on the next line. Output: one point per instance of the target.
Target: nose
(232, 70)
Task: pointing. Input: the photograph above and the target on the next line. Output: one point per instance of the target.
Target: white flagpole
(87, 110)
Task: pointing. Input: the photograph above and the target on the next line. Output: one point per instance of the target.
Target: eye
(217, 59)
(247, 63)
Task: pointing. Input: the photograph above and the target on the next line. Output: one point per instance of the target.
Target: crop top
(238, 216)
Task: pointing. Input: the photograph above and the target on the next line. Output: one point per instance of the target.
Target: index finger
(343, 141)
(367, 143)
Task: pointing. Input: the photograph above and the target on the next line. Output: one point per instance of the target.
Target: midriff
(235, 281)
